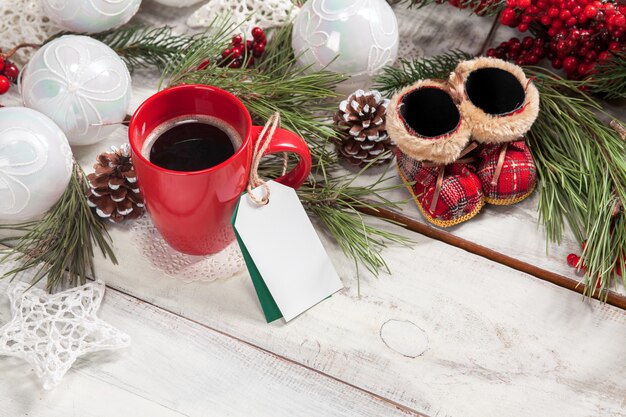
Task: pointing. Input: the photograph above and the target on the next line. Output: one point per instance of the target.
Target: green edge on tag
(269, 306)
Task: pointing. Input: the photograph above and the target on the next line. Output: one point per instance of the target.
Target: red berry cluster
(528, 51)
(8, 74)
(576, 33)
(241, 50)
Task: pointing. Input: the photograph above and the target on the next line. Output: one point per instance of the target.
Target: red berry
(11, 71)
(227, 53)
(573, 260)
(590, 11)
(1, 64)
(249, 45)
(205, 63)
(570, 64)
(508, 17)
(258, 49)
(528, 42)
(237, 63)
(545, 20)
(258, 33)
(237, 39)
(237, 52)
(5, 84)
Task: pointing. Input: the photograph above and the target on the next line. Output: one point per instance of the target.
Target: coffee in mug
(191, 143)
(204, 138)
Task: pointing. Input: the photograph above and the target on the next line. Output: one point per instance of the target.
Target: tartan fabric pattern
(461, 196)
(517, 178)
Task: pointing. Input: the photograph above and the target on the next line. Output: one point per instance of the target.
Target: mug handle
(286, 141)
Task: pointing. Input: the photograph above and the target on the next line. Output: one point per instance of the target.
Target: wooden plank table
(447, 334)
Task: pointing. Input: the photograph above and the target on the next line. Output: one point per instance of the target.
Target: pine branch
(61, 245)
(609, 77)
(394, 79)
(582, 170)
(141, 46)
(276, 84)
(336, 203)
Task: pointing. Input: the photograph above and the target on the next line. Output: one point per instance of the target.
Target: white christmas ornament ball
(354, 37)
(90, 16)
(35, 164)
(81, 84)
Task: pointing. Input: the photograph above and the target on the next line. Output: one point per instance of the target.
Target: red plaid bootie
(500, 104)
(507, 172)
(432, 140)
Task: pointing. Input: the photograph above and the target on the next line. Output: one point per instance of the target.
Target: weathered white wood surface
(446, 327)
(448, 334)
(176, 367)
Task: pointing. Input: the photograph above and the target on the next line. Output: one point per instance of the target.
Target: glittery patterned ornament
(24, 21)
(353, 37)
(90, 16)
(264, 13)
(81, 84)
(51, 331)
(35, 164)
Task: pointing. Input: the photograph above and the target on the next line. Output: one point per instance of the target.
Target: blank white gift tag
(286, 250)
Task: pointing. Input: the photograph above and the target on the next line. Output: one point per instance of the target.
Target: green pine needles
(409, 71)
(61, 245)
(583, 176)
(609, 78)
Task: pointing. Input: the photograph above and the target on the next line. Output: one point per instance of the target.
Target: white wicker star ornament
(263, 13)
(50, 331)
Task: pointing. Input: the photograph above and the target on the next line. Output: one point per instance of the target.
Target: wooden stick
(613, 298)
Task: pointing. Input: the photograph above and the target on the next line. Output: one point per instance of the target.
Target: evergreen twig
(276, 84)
(583, 175)
(394, 79)
(142, 46)
(61, 245)
(609, 77)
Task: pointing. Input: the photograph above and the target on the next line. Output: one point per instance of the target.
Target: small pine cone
(363, 117)
(113, 189)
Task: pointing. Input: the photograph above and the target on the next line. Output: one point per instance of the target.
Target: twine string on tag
(260, 147)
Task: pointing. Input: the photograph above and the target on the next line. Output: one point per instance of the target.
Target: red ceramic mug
(192, 210)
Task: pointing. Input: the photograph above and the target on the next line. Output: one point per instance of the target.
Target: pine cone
(114, 191)
(363, 117)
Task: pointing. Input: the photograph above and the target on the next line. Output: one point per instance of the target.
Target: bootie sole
(510, 201)
(438, 222)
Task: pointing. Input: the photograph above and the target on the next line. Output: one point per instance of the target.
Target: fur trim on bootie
(425, 122)
(497, 100)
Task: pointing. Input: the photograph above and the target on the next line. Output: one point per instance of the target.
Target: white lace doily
(265, 13)
(50, 331)
(186, 268)
(23, 21)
